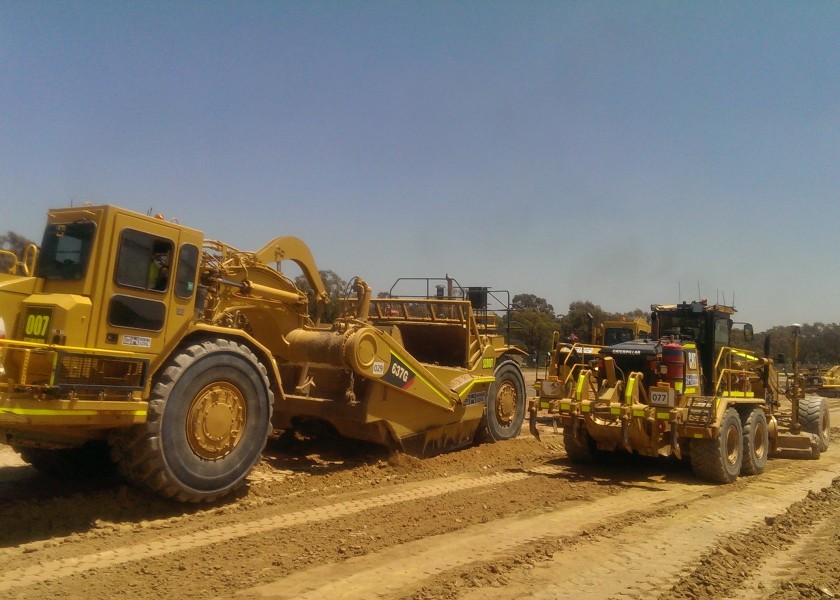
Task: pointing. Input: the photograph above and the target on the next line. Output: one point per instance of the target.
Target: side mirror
(748, 332)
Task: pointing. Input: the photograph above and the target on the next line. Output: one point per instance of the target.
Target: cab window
(136, 313)
(615, 335)
(722, 331)
(185, 274)
(65, 250)
(143, 261)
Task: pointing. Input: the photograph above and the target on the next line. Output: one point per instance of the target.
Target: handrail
(734, 368)
(435, 311)
(17, 344)
(12, 270)
(51, 353)
(555, 368)
(26, 264)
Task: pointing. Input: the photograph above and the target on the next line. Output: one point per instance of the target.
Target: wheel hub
(215, 420)
(758, 443)
(733, 445)
(506, 403)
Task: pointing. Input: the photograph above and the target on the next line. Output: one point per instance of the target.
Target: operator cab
(109, 278)
(709, 327)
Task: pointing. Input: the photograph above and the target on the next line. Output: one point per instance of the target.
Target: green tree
(580, 319)
(819, 343)
(531, 301)
(532, 322)
(583, 315)
(336, 289)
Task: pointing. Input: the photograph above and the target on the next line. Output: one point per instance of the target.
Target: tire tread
(138, 451)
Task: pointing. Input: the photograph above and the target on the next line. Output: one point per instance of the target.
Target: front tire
(719, 459)
(208, 422)
(756, 442)
(814, 418)
(505, 408)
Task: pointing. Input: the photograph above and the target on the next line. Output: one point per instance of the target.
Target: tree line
(533, 322)
(819, 343)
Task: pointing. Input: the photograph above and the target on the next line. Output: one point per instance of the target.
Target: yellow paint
(628, 393)
(69, 412)
(472, 384)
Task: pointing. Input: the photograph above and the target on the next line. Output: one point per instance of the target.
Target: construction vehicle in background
(827, 382)
(565, 354)
(685, 392)
(812, 379)
(180, 355)
(616, 331)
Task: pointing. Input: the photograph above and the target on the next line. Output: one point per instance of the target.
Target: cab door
(140, 304)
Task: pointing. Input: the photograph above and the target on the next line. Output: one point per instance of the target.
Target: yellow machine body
(115, 321)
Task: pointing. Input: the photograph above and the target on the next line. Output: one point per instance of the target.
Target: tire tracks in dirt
(46, 571)
(635, 544)
(636, 537)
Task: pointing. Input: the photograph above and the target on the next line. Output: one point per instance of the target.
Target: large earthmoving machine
(827, 383)
(180, 355)
(617, 331)
(685, 392)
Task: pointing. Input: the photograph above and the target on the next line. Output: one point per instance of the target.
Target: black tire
(88, 461)
(581, 448)
(719, 459)
(756, 442)
(505, 408)
(814, 418)
(208, 422)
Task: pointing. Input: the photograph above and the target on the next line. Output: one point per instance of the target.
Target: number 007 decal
(37, 325)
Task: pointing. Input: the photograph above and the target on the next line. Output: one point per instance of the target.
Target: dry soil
(322, 518)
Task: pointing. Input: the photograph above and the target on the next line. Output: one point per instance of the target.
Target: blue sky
(626, 153)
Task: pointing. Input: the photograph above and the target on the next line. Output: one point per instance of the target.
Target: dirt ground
(326, 519)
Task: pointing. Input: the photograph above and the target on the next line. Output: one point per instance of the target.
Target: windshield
(693, 327)
(616, 335)
(683, 326)
(65, 251)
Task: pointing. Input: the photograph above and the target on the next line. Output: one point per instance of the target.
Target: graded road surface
(322, 518)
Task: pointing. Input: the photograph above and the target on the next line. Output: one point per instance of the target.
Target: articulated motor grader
(685, 393)
(180, 355)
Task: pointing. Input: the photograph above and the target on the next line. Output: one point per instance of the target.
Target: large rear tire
(505, 408)
(719, 459)
(814, 418)
(88, 461)
(756, 442)
(208, 422)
